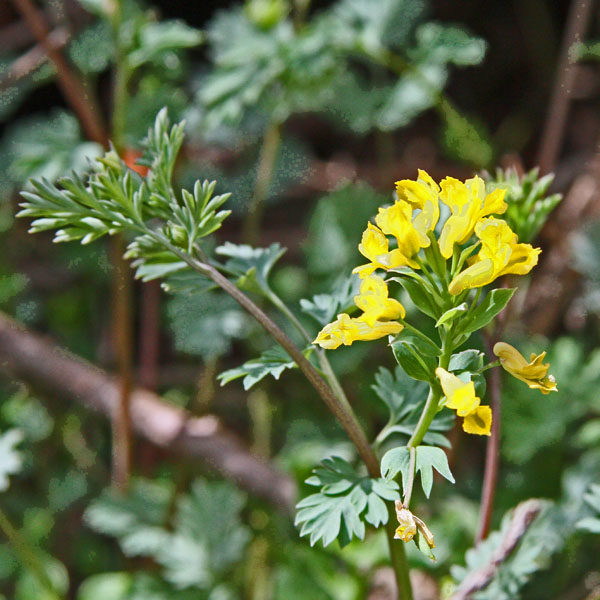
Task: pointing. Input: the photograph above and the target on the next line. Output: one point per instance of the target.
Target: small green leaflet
(345, 498)
(271, 362)
(11, 460)
(420, 296)
(325, 307)
(415, 355)
(156, 39)
(467, 360)
(489, 307)
(451, 314)
(251, 266)
(427, 458)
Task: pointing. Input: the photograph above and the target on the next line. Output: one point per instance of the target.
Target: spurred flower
(500, 254)
(375, 246)
(373, 300)
(409, 524)
(346, 330)
(534, 373)
(461, 397)
(407, 528)
(423, 195)
(468, 203)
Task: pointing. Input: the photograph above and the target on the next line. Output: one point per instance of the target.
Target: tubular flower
(409, 524)
(534, 373)
(500, 254)
(422, 194)
(468, 203)
(375, 246)
(373, 300)
(345, 330)
(396, 220)
(461, 397)
(407, 528)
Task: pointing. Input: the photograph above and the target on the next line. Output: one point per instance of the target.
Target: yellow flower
(345, 330)
(422, 194)
(409, 524)
(375, 246)
(468, 203)
(374, 302)
(461, 397)
(396, 220)
(479, 421)
(534, 373)
(500, 254)
(407, 528)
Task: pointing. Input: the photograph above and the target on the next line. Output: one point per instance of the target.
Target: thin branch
(343, 414)
(523, 514)
(264, 177)
(578, 21)
(492, 451)
(79, 97)
(122, 325)
(149, 334)
(33, 59)
(46, 365)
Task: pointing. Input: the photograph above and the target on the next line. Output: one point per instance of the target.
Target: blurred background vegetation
(307, 112)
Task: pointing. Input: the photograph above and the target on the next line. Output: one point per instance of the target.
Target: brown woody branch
(523, 514)
(33, 59)
(42, 363)
(80, 97)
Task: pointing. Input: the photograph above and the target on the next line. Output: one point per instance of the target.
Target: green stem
(336, 400)
(433, 400)
(491, 365)
(27, 555)
(427, 416)
(328, 372)
(278, 303)
(264, 176)
(122, 75)
(411, 477)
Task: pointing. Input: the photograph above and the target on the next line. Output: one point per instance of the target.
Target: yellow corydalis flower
(500, 254)
(409, 524)
(375, 246)
(346, 330)
(461, 397)
(534, 373)
(468, 203)
(422, 194)
(373, 300)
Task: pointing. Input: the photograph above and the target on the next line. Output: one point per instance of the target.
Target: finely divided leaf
(344, 500)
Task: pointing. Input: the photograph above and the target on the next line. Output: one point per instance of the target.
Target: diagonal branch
(80, 98)
(523, 514)
(44, 364)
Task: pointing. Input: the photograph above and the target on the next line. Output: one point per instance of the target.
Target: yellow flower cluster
(460, 396)
(534, 373)
(413, 217)
(411, 222)
(378, 319)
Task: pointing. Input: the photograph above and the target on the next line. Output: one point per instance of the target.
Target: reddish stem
(492, 453)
